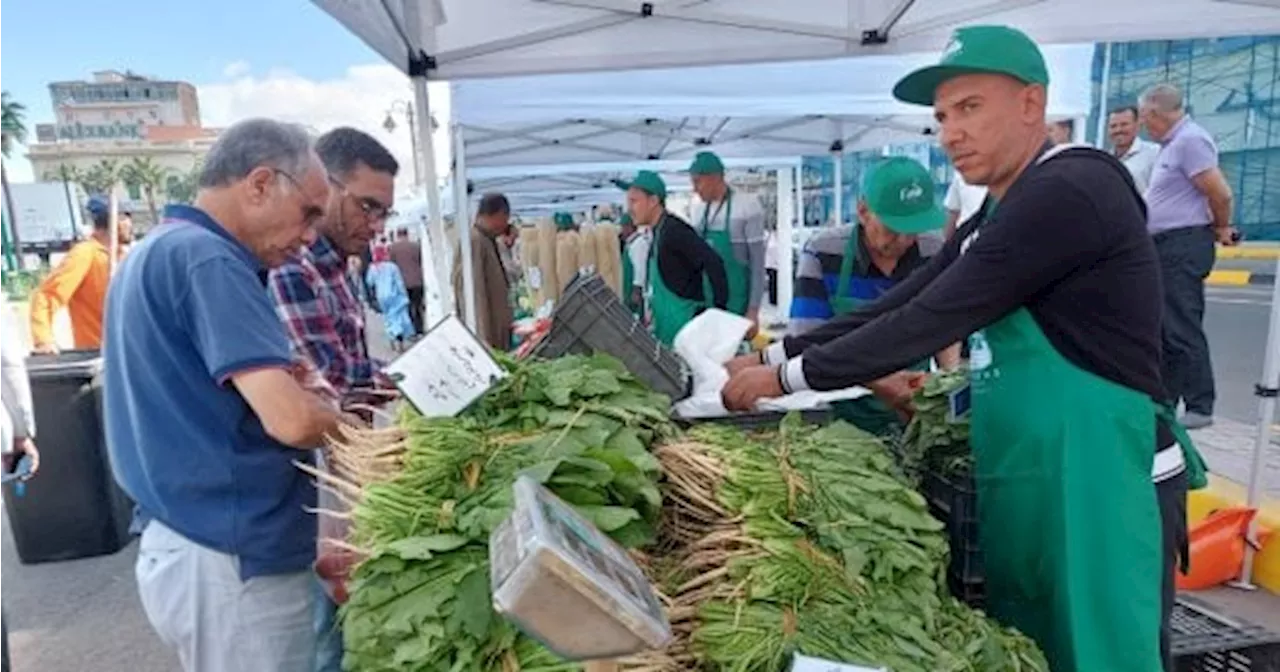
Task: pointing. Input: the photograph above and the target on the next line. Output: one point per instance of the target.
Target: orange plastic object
(1217, 546)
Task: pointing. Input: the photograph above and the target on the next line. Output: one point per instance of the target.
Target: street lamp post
(406, 108)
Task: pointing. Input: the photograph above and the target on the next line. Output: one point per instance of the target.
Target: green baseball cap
(624, 220)
(974, 50)
(647, 181)
(706, 163)
(563, 220)
(900, 192)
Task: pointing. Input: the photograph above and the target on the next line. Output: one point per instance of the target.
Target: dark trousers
(771, 274)
(1172, 497)
(1186, 258)
(416, 308)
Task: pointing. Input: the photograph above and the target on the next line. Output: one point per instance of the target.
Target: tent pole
(837, 181)
(462, 219)
(1103, 98)
(1266, 392)
(435, 244)
(786, 211)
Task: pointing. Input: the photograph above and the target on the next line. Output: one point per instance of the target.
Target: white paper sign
(806, 664)
(445, 371)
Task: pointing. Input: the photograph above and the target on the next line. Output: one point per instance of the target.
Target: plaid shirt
(325, 321)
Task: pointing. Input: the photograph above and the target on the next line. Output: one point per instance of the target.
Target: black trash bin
(73, 507)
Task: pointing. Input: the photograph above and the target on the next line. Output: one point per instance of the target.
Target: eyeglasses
(372, 208)
(310, 211)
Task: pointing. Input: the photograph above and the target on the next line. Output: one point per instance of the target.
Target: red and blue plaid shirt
(325, 321)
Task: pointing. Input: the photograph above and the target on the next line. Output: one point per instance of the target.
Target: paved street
(85, 615)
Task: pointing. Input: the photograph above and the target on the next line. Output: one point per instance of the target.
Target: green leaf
(422, 548)
(598, 383)
(474, 606)
(542, 471)
(579, 495)
(608, 518)
(634, 534)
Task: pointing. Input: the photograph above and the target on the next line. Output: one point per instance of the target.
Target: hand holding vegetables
(749, 386)
(898, 390)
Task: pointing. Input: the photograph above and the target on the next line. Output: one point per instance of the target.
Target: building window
(135, 191)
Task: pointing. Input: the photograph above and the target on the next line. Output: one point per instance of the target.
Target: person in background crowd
(79, 283)
(732, 222)
(17, 425)
(635, 261)
(507, 249)
(564, 221)
(1188, 210)
(314, 297)
(963, 200)
(842, 268)
(406, 254)
(390, 291)
(1060, 132)
(1138, 155)
(494, 312)
(366, 291)
(771, 266)
(682, 267)
(224, 563)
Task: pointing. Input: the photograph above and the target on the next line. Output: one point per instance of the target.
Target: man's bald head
(990, 125)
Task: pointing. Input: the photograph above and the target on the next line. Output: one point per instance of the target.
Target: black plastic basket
(1206, 641)
(953, 499)
(591, 318)
(761, 420)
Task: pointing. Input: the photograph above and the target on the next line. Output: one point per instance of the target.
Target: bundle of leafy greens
(932, 441)
(801, 541)
(420, 600)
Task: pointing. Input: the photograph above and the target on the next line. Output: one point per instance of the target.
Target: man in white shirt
(961, 202)
(635, 263)
(1138, 155)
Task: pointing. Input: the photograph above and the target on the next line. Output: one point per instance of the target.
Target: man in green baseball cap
(843, 268)
(564, 221)
(635, 243)
(732, 222)
(684, 274)
(1081, 467)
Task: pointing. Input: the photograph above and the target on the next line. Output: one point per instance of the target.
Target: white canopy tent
(461, 39)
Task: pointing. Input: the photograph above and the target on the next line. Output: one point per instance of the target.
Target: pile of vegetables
(931, 441)
(801, 540)
(420, 600)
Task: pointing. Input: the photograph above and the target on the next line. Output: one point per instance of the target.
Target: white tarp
(486, 38)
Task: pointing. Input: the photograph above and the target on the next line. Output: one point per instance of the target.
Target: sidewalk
(1227, 446)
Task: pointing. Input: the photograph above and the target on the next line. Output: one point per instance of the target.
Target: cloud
(360, 97)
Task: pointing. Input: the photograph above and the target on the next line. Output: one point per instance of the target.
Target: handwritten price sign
(445, 371)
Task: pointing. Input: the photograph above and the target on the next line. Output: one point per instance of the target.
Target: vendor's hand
(753, 315)
(23, 446)
(750, 385)
(1227, 236)
(898, 390)
(742, 363)
(45, 349)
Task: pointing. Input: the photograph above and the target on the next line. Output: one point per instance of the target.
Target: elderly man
(406, 254)
(733, 224)
(1058, 284)
(682, 268)
(1138, 155)
(843, 268)
(314, 297)
(494, 312)
(79, 283)
(205, 418)
(1188, 209)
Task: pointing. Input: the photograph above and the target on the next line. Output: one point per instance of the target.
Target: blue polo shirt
(187, 310)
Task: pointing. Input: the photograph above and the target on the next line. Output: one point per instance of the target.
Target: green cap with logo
(647, 181)
(706, 163)
(977, 50)
(900, 192)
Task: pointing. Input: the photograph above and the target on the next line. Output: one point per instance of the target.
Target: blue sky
(237, 52)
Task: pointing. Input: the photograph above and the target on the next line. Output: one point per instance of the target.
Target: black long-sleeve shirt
(1068, 242)
(684, 258)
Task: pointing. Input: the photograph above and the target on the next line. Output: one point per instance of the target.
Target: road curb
(1223, 493)
(1239, 278)
(1249, 252)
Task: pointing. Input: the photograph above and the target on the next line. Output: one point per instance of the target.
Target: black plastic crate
(591, 318)
(762, 419)
(1207, 641)
(953, 499)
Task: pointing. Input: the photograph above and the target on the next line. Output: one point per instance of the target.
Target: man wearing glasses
(325, 319)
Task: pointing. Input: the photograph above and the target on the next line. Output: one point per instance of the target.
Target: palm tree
(102, 177)
(144, 173)
(13, 130)
(67, 175)
(183, 188)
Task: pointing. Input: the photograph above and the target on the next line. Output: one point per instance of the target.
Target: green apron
(868, 413)
(667, 312)
(1069, 523)
(736, 272)
(628, 278)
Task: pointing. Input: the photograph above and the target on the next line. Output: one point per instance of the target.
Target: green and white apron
(628, 277)
(666, 312)
(868, 413)
(737, 273)
(1070, 525)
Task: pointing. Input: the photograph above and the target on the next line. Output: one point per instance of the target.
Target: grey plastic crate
(591, 318)
(1207, 641)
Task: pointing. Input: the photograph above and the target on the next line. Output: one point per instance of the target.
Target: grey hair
(256, 143)
(1164, 98)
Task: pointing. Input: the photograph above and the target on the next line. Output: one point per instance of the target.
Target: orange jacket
(79, 283)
